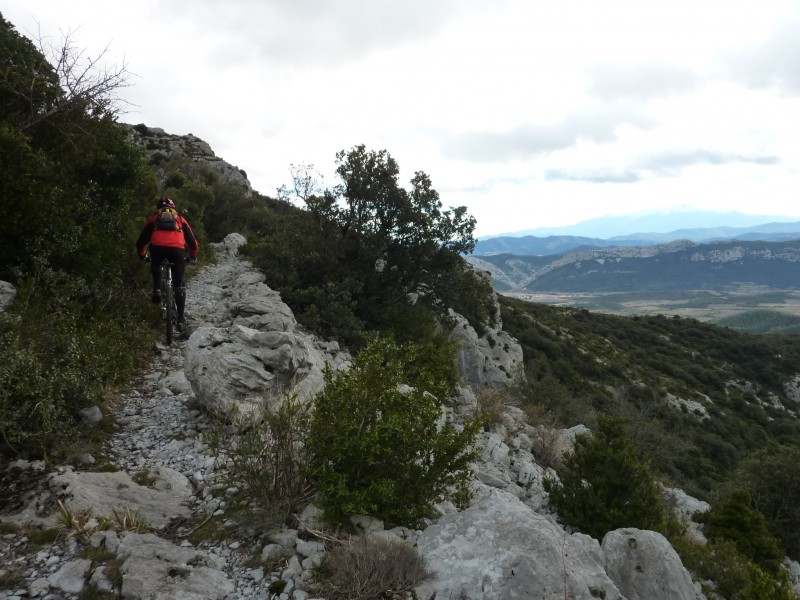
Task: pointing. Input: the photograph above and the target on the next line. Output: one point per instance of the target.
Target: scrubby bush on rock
(378, 443)
(604, 484)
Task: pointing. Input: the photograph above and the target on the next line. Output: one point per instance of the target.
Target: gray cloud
(592, 176)
(673, 162)
(640, 81)
(774, 63)
(668, 164)
(527, 141)
(317, 32)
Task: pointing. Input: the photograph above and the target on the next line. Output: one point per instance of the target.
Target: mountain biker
(168, 242)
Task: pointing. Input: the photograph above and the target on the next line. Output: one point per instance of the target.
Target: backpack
(168, 220)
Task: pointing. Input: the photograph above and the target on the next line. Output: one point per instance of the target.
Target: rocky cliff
(160, 147)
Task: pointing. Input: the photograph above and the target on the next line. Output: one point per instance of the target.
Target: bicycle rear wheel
(170, 312)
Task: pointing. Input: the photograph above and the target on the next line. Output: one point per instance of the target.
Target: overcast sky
(531, 113)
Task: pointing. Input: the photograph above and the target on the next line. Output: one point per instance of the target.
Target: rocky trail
(170, 484)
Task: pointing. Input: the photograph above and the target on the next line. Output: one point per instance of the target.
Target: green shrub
(734, 577)
(604, 485)
(376, 447)
(773, 480)
(368, 569)
(735, 519)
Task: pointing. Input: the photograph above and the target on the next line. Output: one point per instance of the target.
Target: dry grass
(491, 405)
(371, 568)
(547, 441)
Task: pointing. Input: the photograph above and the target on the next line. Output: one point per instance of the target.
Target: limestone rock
(7, 294)
(499, 549)
(156, 569)
(101, 493)
(644, 566)
(160, 146)
(685, 507)
(71, 578)
(254, 352)
(488, 360)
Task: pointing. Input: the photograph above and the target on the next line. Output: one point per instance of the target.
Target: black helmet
(165, 202)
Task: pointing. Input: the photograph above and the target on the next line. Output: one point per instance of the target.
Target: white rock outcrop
(489, 360)
(7, 294)
(100, 494)
(644, 566)
(253, 353)
(500, 549)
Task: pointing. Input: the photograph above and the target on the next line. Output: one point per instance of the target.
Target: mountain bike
(169, 308)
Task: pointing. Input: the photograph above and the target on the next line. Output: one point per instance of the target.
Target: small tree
(375, 442)
(736, 520)
(773, 480)
(604, 484)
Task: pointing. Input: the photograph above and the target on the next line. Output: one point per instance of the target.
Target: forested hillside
(366, 256)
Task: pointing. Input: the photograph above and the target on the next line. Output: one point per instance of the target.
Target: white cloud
(530, 112)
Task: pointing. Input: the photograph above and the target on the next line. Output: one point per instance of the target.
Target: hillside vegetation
(699, 397)
(74, 192)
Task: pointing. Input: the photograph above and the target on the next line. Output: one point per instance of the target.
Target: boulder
(685, 507)
(7, 294)
(102, 493)
(238, 372)
(489, 360)
(253, 353)
(499, 549)
(644, 566)
(156, 569)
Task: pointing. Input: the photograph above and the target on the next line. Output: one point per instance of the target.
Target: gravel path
(159, 425)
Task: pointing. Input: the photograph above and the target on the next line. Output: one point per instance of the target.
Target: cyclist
(169, 235)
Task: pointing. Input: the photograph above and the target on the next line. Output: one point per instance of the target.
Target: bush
(773, 480)
(734, 577)
(734, 519)
(375, 443)
(270, 456)
(604, 485)
(370, 568)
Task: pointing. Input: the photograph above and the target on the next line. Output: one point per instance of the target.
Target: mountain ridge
(774, 231)
(677, 265)
(656, 221)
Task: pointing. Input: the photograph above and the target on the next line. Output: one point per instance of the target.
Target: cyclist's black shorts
(177, 256)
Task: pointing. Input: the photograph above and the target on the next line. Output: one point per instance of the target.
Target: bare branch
(87, 86)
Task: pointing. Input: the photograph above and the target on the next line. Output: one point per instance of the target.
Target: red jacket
(184, 238)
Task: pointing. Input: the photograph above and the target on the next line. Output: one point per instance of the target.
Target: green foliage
(762, 321)
(359, 252)
(773, 481)
(270, 456)
(375, 444)
(578, 363)
(604, 485)
(734, 576)
(734, 519)
(70, 185)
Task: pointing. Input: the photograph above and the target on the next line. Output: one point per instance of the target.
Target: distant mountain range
(678, 265)
(662, 222)
(530, 245)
